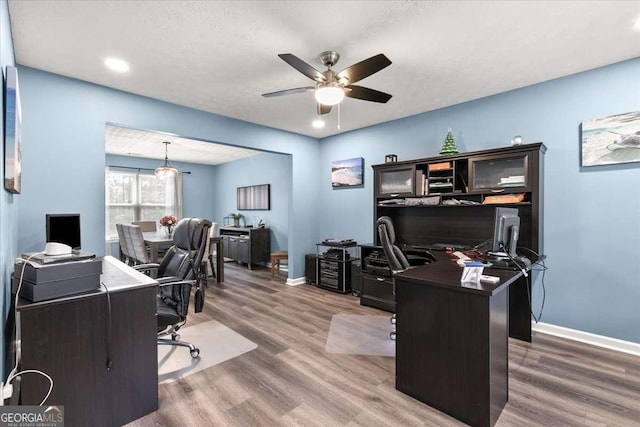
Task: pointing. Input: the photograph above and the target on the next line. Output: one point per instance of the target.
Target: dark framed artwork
(347, 173)
(611, 140)
(12, 132)
(254, 198)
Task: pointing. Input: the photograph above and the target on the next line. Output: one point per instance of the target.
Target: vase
(236, 222)
(169, 230)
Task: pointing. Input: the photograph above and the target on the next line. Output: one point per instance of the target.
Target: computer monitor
(506, 228)
(64, 228)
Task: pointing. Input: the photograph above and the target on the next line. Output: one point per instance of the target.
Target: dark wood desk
(67, 339)
(452, 340)
(158, 240)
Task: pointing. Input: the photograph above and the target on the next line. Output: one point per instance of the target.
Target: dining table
(156, 241)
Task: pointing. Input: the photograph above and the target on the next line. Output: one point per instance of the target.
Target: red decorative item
(168, 221)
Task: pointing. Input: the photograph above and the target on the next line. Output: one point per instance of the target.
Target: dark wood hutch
(445, 200)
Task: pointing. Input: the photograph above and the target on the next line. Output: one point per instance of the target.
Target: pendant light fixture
(166, 170)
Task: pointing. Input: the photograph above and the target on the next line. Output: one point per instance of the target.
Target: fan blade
(359, 92)
(323, 109)
(364, 68)
(303, 67)
(289, 91)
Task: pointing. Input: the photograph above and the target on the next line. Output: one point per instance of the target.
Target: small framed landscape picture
(611, 140)
(347, 173)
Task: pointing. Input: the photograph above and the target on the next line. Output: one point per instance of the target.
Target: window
(139, 196)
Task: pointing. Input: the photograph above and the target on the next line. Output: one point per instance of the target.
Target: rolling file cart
(335, 258)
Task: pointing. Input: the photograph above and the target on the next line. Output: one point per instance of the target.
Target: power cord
(522, 268)
(540, 260)
(528, 279)
(109, 360)
(8, 386)
(6, 389)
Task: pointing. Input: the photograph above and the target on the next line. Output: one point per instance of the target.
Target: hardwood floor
(290, 380)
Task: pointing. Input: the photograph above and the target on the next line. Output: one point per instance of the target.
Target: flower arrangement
(168, 221)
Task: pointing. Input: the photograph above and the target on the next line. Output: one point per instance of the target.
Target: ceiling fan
(332, 87)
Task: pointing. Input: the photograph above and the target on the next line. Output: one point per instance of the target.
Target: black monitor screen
(506, 228)
(64, 228)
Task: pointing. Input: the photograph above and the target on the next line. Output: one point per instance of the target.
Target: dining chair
(134, 248)
(146, 225)
(209, 252)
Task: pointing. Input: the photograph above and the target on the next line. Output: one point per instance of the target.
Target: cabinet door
(233, 248)
(378, 292)
(243, 245)
(226, 246)
(501, 173)
(396, 181)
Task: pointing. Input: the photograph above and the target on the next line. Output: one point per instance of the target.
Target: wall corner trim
(588, 338)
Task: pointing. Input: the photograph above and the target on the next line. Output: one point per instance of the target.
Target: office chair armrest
(177, 281)
(150, 269)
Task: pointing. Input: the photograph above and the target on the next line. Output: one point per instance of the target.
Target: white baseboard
(588, 338)
(297, 281)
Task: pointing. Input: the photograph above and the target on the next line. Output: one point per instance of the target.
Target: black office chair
(177, 273)
(396, 258)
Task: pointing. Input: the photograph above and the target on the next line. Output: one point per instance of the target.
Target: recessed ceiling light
(116, 64)
(318, 123)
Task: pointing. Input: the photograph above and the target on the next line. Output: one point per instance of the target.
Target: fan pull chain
(339, 117)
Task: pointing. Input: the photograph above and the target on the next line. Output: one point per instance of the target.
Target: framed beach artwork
(611, 140)
(347, 173)
(12, 132)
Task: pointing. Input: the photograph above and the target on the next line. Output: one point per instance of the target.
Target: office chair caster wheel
(392, 336)
(195, 353)
(175, 337)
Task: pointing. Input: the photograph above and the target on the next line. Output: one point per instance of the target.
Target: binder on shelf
(439, 166)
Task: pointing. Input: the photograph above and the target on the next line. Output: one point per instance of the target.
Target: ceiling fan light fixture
(329, 95)
(166, 170)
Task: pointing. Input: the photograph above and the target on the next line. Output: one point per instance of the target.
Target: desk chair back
(132, 244)
(146, 225)
(178, 272)
(183, 261)
(395, 257)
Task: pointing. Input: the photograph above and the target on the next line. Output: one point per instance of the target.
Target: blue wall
(8, 201)
(591, 215)
(265, 168)
(64, 131)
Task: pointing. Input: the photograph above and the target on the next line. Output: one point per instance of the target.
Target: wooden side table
(276, 258)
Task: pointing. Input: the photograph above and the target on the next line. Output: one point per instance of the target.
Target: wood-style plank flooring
(290, 380)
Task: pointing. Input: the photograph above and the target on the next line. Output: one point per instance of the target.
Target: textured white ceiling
(124, 141)
(220, 56)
